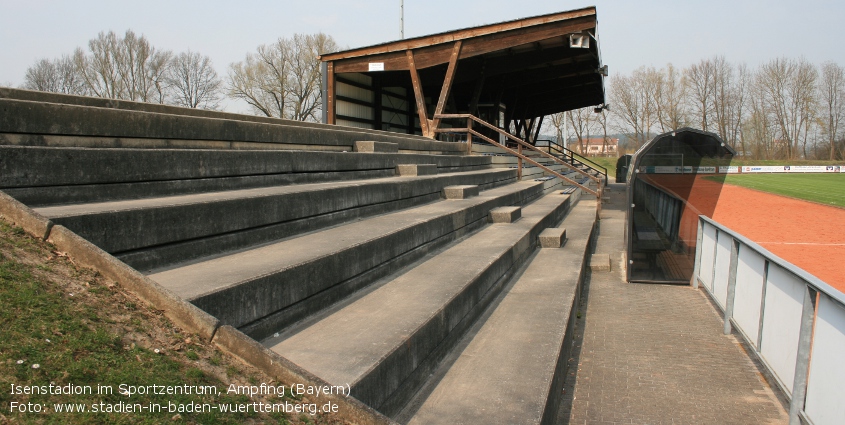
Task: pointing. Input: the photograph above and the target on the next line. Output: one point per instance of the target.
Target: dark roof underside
(526, 64)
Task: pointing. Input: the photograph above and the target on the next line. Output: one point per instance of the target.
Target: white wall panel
(750, 275)
(354, 92)
(354, 110)
(723, 268)
(708, 249)
(782, 322)
(353, 124)
(826, 387)
(359, 78)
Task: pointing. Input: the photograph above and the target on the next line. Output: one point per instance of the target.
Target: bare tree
(700, 79)
(635, 103)
(832, 102)
(671, 99)
(305, 72)
(57, 76)
(788, 87)
(192, 81)
(124, 68)
(581, 121)
(557, 123)
(282, 79)
(729, 86)
(601, 119)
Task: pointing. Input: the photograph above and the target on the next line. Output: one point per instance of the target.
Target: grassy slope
(81, 329)
(828, 189)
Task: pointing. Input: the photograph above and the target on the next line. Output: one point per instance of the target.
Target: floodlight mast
(402, 19)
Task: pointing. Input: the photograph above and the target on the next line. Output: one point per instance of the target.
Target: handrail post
(521, 144)
(469, 136)
(519, 162)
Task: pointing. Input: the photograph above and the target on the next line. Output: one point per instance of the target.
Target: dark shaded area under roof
(523, 69)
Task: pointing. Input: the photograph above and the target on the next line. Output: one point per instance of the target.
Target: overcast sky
(632, 33)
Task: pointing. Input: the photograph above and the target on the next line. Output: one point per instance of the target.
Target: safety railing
(574, 157)
(794, 322)
(521, 145)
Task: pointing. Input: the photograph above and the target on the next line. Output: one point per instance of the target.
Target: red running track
(807, 234)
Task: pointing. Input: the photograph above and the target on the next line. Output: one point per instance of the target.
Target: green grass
(752, 162)
(81, 329)
(828, 189)
(606, 162)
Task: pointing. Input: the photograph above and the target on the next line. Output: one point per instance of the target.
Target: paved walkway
(655, 354)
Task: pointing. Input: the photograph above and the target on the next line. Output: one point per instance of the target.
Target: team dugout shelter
(672, 179)
(510, 74)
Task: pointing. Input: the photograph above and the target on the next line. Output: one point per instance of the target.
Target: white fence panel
(782, 322)
(750, 275)
(708, 252)
(825, 390)
(723, 268)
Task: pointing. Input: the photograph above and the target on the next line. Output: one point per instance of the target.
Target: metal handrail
(734, 287)
(520, 144)
(564, 151)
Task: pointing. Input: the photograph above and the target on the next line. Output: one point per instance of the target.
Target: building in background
(597, 147)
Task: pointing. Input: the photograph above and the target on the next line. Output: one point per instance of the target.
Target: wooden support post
(418, 94)
(331, 112)
(447, 84)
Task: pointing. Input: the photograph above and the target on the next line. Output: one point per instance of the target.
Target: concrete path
(655, 354)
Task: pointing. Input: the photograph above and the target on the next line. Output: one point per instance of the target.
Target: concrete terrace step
(158, 232)
(262, 289)
(524, 342)
(386, 343)
(41, 176)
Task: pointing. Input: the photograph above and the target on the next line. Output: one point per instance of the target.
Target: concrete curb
(88, 255)
(30, 221)
(250, 351)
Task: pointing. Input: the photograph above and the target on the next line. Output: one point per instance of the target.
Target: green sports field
(828, 189)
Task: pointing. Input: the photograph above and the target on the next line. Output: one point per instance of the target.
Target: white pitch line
(802, 243)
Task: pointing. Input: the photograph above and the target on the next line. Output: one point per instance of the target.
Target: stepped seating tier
(385, 343)
(279, 281)
(157, 232)
(525, 340)
(394, 263)
(43, 176)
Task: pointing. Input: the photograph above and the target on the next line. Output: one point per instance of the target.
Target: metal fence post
(697, 264)
(802, 360)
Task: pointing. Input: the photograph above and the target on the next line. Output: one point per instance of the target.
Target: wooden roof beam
(439, 54)
(447, 84)
(464, 34)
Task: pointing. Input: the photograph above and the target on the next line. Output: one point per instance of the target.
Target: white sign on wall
(376, 66)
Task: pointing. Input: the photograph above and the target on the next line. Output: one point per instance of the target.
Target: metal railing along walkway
(794, 322)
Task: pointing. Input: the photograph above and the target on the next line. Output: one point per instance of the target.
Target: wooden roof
(526, 64)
